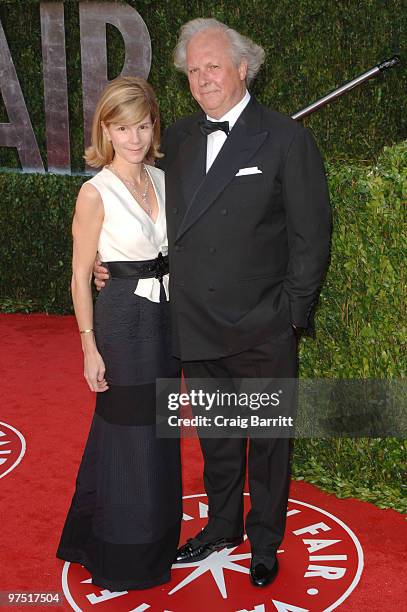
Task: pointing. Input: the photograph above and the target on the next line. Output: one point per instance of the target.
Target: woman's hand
(94, 371)
(100, 273)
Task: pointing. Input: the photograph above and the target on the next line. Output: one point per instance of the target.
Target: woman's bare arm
(86, 227)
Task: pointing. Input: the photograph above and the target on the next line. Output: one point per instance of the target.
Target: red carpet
(44, 396)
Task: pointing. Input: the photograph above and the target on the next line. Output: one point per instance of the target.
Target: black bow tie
(207, 127)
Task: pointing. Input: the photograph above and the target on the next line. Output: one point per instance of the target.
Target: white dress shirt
(216, 140)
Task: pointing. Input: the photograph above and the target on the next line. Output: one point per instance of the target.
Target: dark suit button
(211, 288)
(212, 250)
(175, 211)
(224, 211)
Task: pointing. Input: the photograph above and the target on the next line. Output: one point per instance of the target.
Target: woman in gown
(124, 521)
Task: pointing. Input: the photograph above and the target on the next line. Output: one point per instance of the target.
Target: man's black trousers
(268, 459)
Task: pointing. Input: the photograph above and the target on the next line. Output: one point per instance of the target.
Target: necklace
(141, 198)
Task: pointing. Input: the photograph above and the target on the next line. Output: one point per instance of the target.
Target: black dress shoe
(261, 576)
(195, 550)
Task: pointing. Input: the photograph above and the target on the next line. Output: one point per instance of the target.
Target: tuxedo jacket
(248, 250)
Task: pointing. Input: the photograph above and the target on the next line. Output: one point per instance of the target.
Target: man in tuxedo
(248, 232)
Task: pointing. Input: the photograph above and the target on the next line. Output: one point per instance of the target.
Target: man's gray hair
(242, 48)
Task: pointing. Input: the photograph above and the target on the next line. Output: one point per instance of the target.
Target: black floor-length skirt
(124, 521)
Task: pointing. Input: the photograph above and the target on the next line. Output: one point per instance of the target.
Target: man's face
(216, 83)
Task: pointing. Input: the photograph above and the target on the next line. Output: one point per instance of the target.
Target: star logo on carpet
(215, 564)
(321, 565)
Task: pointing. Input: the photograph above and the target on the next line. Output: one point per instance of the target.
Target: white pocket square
(252, 170)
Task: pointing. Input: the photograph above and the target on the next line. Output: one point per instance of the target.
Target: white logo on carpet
(321, 561)
(12, 448)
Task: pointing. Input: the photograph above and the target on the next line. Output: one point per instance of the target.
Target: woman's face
(131, 143)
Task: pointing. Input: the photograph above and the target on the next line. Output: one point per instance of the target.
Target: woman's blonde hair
(126, 100)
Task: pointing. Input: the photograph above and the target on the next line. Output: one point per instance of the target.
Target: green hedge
(312, 46)
(361, 319)
(36, 248)
(369, 469)
(361, 324)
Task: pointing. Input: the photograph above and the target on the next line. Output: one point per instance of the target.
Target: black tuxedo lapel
(244, 140)
(191, 163)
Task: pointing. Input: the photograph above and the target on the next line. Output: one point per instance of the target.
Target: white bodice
(128, 233)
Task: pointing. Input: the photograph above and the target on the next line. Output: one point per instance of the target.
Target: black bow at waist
(150, 268)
